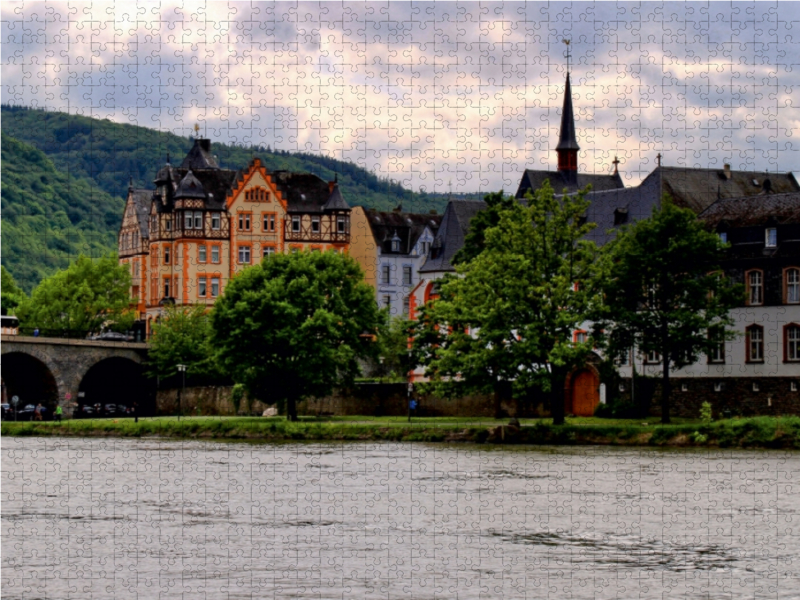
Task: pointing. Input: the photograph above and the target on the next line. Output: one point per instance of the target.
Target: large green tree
(182, 336)
(86, 297)
(508, 316)
(293, 326)
(12, 295)
(664, 292)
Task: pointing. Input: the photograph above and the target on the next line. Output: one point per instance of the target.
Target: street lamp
(182, 369)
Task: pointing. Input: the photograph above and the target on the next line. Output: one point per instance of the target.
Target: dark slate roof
(217, 182)
(200, 157)
(336, 201)
(408, 227)
(566, 139)
(141, 204)
(305, 192)
(700, 188)
(190, 187)
(778, 209)
(452, 231)
(533, 180)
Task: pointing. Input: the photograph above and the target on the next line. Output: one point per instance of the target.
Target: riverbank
(756, 432)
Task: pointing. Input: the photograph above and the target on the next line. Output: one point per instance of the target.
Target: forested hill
(65, 177)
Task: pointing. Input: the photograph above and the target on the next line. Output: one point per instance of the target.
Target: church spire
(567, 148)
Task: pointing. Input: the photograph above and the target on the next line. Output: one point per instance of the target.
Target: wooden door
(585, 393)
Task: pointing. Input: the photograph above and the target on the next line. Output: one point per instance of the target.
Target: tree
(292, 326)
(474, 241)
(86, 297)
(664, 292)
(395, 359)
(12, 295)
(182, 336)
(508, 316)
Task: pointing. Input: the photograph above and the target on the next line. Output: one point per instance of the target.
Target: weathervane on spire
(197, 130)
(566, 42)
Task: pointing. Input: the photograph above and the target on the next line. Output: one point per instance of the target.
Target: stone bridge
(70, 372)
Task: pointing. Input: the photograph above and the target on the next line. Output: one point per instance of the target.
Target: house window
(244, 221)
(386, 274)
(268, 250)
(406, 305)
(623, 358)
(198, 220)
(256, 195)
(407, 275)
(771, 237)
(315, 224)
(295, 224)
(723, 237)
(215, 221)
(792, 279)
(168, 224)
(755, 343)
(653, 357)
(188, 220)
(166, 287)
(244, 255)
(269, 222)
(581, 337)
(717, 353)
(395, 245)
(166, 255)
(755, 287)
(340, 225)
(387, 303)
(756, 387)
(202, 253)
(201, 287)
(215, 254)
(214, 287)
(792, 342)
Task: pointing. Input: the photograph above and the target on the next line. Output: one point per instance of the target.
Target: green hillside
(64, 178)
(50, 217)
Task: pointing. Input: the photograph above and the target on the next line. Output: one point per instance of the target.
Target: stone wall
(205, 401)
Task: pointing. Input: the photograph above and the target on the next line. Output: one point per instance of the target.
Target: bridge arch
(31, 378)
(116, 380)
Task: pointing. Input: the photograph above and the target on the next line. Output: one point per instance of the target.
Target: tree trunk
(291, 409)
(557, 380)
(665, 383)
(498, 398)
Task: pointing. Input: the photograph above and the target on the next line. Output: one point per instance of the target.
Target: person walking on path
(37, 413)
(58, 413)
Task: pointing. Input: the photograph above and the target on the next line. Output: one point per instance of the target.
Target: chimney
(333, 184)
(767, 186)
(727, 170)
(205, 144)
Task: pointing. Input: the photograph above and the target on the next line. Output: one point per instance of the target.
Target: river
(149, 518)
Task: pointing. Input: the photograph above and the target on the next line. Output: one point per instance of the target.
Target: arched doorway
(29, 379)
(585, 392)
(114, 381)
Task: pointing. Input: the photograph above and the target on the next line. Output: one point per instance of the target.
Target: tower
(567, 148)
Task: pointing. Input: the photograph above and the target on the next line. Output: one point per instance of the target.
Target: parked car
(6, 412)
(85, 411)
(27, 413)
(110, 410)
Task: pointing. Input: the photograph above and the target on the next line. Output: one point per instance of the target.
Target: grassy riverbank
(756, 432)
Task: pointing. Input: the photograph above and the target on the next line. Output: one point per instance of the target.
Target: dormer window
(620, 216)
(395, 245)
(771, 237)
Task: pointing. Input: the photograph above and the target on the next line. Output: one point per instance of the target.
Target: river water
(103, 518)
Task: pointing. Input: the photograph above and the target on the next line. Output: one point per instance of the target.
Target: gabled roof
(305, 192)
(141, 199)
(533, 180)
(200, 157)
(777, 209)
(407, 227)
(451, 234)
(700, 188)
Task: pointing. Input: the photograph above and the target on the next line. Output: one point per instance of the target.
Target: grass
(755, 432)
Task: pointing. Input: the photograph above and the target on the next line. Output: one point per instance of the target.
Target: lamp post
(410, 385)
(182, 369)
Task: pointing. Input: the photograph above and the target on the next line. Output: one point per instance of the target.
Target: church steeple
(567, 148)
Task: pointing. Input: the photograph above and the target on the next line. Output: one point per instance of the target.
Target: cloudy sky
(467, 94)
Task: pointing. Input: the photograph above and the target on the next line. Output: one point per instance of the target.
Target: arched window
(754, 280)
(791, 343)
(755, 343)
(791, 285)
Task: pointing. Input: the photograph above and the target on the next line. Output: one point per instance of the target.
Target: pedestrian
(58, 413)
(37, 413)
(36, 332)
(135, 410)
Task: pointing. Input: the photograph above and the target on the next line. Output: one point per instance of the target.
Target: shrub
(705, 413)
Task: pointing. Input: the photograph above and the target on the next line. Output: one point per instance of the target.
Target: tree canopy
(182, 336)
(12, 296)
(86, 297)
(664, 292)
(292, 326)
(508, 316)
